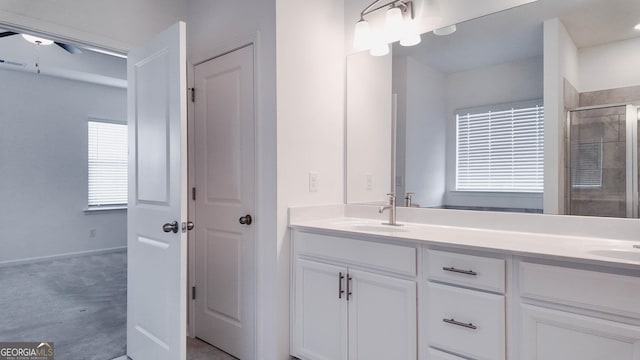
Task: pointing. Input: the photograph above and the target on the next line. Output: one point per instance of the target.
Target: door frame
(265, 226)
(191, 255)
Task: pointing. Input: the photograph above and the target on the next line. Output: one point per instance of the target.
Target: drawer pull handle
(458, 323)
(466, 272)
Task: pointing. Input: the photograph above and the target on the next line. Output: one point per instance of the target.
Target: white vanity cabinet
(353, 299)
(574, 313)
(465, 305)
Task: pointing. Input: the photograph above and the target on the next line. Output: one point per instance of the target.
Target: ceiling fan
(40, 41)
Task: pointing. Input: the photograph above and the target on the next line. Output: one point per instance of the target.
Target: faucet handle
(409, 195)
(392, 199)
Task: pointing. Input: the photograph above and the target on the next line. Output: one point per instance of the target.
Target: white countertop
(589, 250)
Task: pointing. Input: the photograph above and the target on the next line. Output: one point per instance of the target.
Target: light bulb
(37, 40)
(637, 27)
(380, 48)
(362, 36)
(410, 36)
(393, 24)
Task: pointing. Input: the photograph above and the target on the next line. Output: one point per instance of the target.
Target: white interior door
(225, 192)
(157, 271)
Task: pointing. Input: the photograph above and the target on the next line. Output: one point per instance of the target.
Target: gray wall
(43, 166)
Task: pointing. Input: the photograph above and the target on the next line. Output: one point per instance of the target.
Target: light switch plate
(313, 182)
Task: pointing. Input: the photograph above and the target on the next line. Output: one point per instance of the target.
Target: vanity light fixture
(447, 30)
(637, 27)
(396, 27)
(37, 40)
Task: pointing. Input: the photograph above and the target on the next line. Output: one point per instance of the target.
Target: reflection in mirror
(482, 124)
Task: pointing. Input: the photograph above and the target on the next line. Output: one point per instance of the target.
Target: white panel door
(157, 260)
(556, 335)
(320, 320)
(225, 195)
(382, 317)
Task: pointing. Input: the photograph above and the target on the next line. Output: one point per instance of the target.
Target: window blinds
(107, 163)
(500, 150)
(586, 164)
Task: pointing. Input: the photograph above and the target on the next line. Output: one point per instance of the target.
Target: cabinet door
(382, 317)
(320, 315)
(556, 335)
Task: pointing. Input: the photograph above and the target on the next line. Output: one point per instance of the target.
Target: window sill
(103, 209)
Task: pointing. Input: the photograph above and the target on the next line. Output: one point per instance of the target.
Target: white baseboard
(61, 256)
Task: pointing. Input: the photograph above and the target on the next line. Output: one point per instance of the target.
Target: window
(586, 164)
(107, 163)
(500, 149)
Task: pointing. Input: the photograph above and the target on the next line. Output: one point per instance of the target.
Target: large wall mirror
(531, 109)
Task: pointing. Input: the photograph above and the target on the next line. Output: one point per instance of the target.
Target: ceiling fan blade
(69, 48)
(7, 33)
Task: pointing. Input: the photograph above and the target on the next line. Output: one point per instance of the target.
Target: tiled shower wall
(626, 95)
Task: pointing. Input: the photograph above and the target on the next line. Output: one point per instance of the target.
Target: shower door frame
(631, 164)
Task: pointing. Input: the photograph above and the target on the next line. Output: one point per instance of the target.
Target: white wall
(311, 92)
(213, 28)
(421, 104)
(505, 83)
(560, 62)
(369, 128)
(43, 166)
(117, 25)
(609, 66)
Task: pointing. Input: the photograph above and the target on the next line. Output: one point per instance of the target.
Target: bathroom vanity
(363, 290)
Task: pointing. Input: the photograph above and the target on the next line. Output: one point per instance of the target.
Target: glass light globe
(362, 36)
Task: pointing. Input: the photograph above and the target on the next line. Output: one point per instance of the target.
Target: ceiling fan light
(37, 40)
(362, 36)
(447, 30)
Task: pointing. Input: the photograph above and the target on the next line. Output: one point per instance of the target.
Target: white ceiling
(516, 34)
(21, 55)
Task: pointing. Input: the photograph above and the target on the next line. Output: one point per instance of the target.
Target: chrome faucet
(407, 199)
(392, 209)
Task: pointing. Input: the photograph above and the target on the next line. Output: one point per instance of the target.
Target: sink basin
(377, 228)
(620, 254)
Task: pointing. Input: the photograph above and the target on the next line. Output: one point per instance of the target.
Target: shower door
(603, 161)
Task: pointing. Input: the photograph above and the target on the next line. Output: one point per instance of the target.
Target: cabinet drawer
(441, 355)
(395, 258)
(466, 270)
(467, 322)
(606, 292)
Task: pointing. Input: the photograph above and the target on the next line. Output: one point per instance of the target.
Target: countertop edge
(515, 248)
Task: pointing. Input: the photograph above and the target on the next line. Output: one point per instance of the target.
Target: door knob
(187, 226)
(246, 220)
(170, 227)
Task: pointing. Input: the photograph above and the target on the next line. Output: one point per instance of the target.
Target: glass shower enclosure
(602, 149)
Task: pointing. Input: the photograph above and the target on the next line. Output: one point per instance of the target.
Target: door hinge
(193, 293)
(193, 94)
(193, 193)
